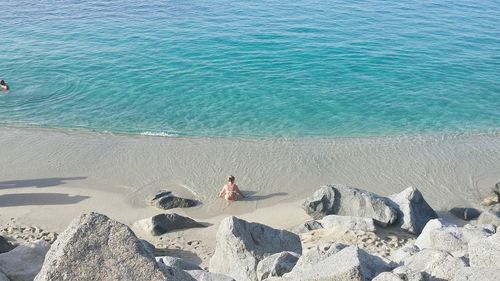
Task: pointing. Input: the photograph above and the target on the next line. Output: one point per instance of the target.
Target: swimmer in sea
(4, 86)
(230, 191)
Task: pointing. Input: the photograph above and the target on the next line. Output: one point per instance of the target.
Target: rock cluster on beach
(351, 221)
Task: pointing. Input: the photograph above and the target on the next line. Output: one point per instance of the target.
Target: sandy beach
(51, 176)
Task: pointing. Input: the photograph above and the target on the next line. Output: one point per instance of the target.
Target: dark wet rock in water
(163, 223)
(5, 245)
(166, 200)
(466, 213)
(344, 200)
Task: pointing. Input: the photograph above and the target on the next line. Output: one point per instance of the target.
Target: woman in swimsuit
(4, 86)
(230, 191)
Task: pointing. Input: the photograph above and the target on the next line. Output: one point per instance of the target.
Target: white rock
(202, 275)
(177, 263)
(437, 264)
(488, 217)
(387, 276)
(350, 263)
(478, 273)
(25, 261)
(241, 245)
(424, 239)
(321, 252)
(276, 265)
(347, 223)
(485, 252)
(403, 253)
(455, 239)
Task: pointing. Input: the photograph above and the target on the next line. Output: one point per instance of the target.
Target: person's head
(230, 179)
(2, 82)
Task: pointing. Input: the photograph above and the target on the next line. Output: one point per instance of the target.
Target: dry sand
(50, 176)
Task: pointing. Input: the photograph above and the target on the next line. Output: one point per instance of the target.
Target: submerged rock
(163, 223)
(349, 201)
(94, 247)
(350, 263)
(25, 261)
(466, 213)
(166, 200)
(413, 211)
(276, 265)
(241, 245)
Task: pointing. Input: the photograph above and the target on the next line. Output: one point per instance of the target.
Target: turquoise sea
(258, 68)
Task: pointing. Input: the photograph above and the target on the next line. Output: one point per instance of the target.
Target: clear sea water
(252, 68)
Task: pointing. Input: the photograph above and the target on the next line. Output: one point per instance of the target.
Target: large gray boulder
(424, 239)
(25, 261)
(349, 201)
(407, 274)
(94, 247)
(477, 273)
(276, 265)
(3, 277)
(350, 263)
(202, 275)
(167, 200)
(485, 252)
(455, 239)
(163, 223)
(413, 211)
(241, 245)
(437, 265)
(319, 253)
(5, 245)
(399, 255)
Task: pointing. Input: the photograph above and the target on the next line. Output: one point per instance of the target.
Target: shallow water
(258, 68)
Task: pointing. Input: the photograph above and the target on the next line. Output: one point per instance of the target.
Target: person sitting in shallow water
(230, 191)
(4, 86)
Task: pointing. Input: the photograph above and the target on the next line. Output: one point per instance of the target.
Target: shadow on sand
(37, 182)
(251, 195)
(26, 199)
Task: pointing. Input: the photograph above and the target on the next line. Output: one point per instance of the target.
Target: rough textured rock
(485, 252)
(246, 244)
(308, 226)
(407, 275)
(321, 252)
(177, 263)
(403, 253)
(166, 200)
(3, 277)
(347, 223)
(350, 263)
(413, 211)
(276, 265)
(492, 199)
(424, 239)
(5, 245)
(478, 274)
(455, 239)
(388, 276)
(436, 264)
(349, 201)
(148, 246)
(163, 223)
(24, 262)
(94, 247)
(202, 275)
(489, 218)
(466, 213)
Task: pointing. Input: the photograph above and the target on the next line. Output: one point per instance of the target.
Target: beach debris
(435, 264)
(466, 213)
(202, 275)
(413, 212)
(95, 247)
(350, 263)
(276, 265)
(163, 223)
(349, 201)
(485, 252)
(166, 200)
(24, 262)
(177, 263)
(241, 245)
(5, 245)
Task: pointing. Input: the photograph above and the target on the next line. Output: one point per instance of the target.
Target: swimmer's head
(2, 82)
(230, 179)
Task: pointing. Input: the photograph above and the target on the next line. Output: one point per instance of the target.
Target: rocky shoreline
(353, 234)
